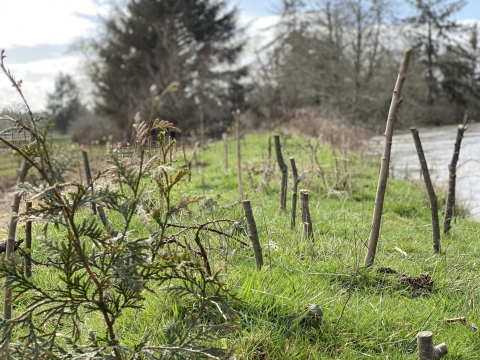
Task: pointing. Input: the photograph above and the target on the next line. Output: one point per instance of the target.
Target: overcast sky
(37, 35)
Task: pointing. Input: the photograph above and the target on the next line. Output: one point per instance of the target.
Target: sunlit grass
(366, 313)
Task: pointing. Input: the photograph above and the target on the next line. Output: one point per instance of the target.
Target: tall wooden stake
(28, 244)
(225, 138)
(296, 180)
(12, 230)
(382, 180)
(284, 170)
(236, 115)
(452, 179)
(252, 229)
(430, 190)
(88, 174)
(306, 219)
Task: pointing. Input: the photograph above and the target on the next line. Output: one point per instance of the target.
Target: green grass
(366, 314)
(10, 161)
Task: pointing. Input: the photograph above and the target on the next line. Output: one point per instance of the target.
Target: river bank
(437, 143)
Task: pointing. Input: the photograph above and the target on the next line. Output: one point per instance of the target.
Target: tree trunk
(430, 190)
(382, 179)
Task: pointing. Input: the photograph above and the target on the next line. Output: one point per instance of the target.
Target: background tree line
(335, 56)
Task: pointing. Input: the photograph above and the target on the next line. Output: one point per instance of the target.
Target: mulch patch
(419, 285)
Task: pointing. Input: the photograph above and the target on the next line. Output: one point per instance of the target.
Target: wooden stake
(236, 116)
(253, 234)
(108, 226)
(426, 349)
(284, 170)
(225, 137)
(306, 219)
(452, 170)
(12, 230)
(269, 150)
(28, 243)
(382, 179)
(296, 180)
(430, 190)
(88, 174)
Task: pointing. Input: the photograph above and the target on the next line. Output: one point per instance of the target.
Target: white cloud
(260, 32)
(57, 22)
(29, 23)
(38, 80)
(32, 22)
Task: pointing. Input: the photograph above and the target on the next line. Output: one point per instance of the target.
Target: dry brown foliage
(324, 124)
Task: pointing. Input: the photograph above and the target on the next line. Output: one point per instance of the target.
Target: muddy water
(438, 145)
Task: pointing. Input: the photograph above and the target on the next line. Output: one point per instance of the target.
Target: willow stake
(28, 243)
(252, 229)
(236, 116)
(452, 179)
(88, 174)
(382, 179)
(284, 170)
(426, 349)
(296, 180)
(430, 190)
(306, 219)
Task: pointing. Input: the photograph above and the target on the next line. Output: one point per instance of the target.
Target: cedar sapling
(109, 275)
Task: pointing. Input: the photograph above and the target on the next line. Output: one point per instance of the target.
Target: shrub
(106, 273)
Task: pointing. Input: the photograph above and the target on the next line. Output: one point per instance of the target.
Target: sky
(37, 36)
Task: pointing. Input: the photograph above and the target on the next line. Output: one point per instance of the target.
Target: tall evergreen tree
(64, 103)
(193, 42)
(433, 29)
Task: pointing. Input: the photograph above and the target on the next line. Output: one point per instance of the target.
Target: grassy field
(358, 313)
(11, 161)
(367, 313)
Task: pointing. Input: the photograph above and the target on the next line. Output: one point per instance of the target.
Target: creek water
(438, 143)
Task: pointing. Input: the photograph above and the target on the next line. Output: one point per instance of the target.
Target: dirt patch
(386, 271)
(418, 285)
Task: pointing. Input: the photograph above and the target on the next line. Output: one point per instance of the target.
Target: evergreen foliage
(103, 275)
(64, 103)
(194, 42)
(433, 33)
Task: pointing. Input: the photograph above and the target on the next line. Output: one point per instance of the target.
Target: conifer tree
(194, 42)
(64, 103)
(433, 32)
